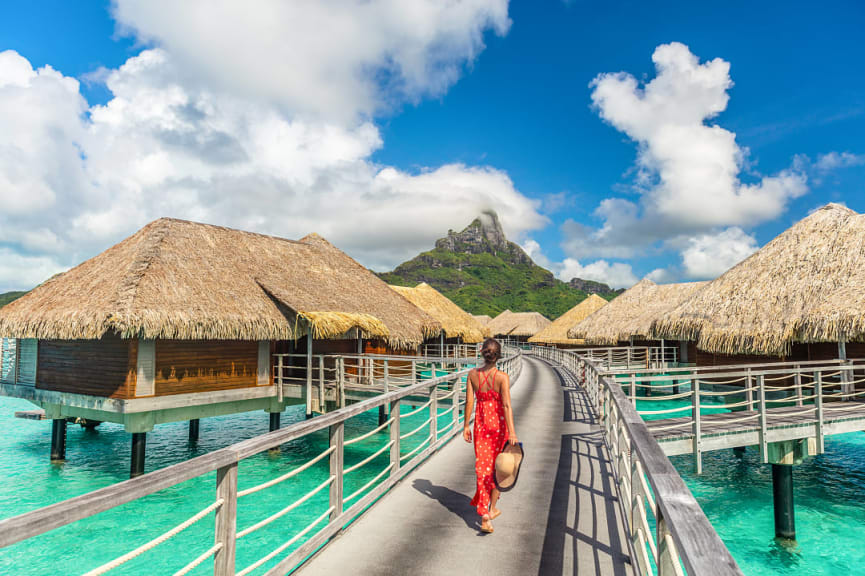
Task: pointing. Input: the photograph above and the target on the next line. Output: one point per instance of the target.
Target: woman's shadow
(455, 502)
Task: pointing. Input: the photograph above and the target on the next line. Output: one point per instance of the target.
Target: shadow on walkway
(456, 502)
(585, 532)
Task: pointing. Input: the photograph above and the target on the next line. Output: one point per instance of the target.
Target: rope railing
(646, 480)
(446, 393)
(164, 537)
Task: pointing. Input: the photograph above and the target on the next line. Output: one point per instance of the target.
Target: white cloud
(615, 274)
(328, 58)
(710, 255)
(72, 183)
(835, 160)
(687, 168)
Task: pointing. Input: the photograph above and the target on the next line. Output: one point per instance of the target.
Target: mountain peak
(483, 235)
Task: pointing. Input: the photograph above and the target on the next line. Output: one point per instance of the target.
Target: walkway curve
(562, 517)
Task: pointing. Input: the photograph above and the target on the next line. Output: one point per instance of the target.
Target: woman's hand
(512, 440)
(467, 434)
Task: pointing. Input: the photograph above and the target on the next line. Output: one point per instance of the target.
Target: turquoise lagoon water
(736, 494)
(95, 459)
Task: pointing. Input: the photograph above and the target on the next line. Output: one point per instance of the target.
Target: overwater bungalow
(627, 320)
(458, 326)
(800, 297)
(556, 334)
(517, 326)
(482, 318)
(181, 320)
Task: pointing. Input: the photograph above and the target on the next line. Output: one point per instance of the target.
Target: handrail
(684, 535)
(225, 463)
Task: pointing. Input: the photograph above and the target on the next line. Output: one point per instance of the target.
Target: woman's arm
(509, 412)
(470, 405)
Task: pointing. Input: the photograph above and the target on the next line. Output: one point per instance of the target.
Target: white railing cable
(287, 509)
(155, 542)
(357, 439)
(363, 488)
(194, 564)
(416, 430)
(294, 539)
(416, 450)
(368, 459)
(286, 476)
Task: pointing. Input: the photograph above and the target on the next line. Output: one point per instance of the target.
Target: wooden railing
(439, 392)
(818, 389)
(325, 377)
(648, 483)
(632, 357)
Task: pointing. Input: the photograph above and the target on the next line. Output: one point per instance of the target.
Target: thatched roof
(482, 318)
(456, 322)
(517, 324)
(557, 332)
(182, 280)
(631, 313)
(806, 285)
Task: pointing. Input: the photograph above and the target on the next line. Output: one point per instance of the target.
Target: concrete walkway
(562, 517)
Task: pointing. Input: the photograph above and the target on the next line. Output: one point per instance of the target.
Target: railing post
(455, 400)
(818, 390)
(749, 394)
(798, 382)
(414, 372)
(695, 409)
(761, 390)
(321, 399)
(634, 389)
(433, 414)
(846, 387)
(342, 382)
(394, 437)
(668, 556)
(337, 437)
(226, 520)
(609, 357)
(278, 379)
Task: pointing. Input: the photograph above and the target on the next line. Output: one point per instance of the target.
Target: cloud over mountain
(260, 119)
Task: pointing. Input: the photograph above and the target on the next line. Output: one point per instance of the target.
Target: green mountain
(7, 297)
(484, 273)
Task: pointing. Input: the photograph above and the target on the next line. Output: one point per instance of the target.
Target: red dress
(491, 434)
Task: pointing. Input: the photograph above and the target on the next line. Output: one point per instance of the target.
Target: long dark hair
(491, 350)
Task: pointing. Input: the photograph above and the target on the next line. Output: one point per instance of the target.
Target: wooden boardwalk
(730, 430)
(563, 517)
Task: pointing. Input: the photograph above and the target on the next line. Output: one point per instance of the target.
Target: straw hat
(508, 466)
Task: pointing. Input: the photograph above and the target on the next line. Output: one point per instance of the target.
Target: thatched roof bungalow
(181, 280)
(192, 314)
(803, 287)
(556, 334)
(630, 315)
(520, 325)
(456, 323)
(482, 318)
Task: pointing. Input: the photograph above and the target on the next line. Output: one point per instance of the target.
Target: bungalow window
(18, 361)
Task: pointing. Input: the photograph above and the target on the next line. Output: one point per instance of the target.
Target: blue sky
(497, 106)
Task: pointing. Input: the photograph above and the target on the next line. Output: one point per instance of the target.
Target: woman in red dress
(494, 427)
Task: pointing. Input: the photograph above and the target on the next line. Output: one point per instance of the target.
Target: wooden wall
(799, 352)
(105, 367)
(184, 366)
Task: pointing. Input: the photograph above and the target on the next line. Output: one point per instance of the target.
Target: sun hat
(508, 464)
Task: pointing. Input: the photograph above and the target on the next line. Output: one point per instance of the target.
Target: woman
(494, 427)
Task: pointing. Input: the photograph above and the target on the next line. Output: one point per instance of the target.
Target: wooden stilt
(58, 439)
(193, 430)
(139, 442)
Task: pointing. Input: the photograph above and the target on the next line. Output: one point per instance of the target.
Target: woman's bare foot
(495, 513)
(486, 525)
